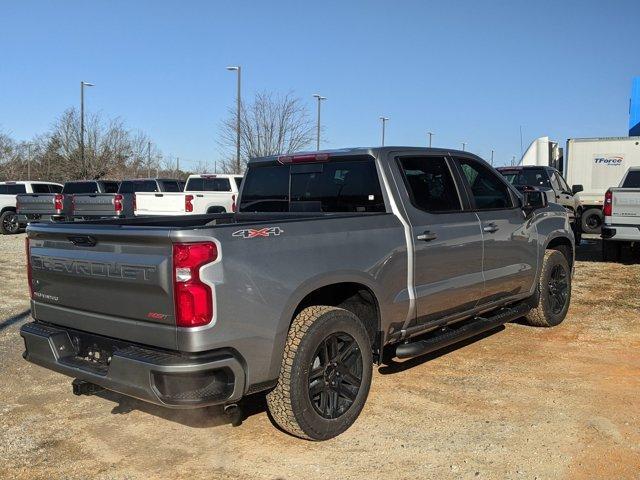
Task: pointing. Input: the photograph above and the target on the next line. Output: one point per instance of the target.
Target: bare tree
(269, 125)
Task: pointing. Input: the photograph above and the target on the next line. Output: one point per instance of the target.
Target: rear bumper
(25, 218)
(166, 378)
(622, 233)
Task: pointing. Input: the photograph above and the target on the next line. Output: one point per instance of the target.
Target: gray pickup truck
(121, 204)
(58, 207)
(335, 261)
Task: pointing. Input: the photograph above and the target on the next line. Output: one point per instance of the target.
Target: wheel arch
(564, 245)
(8, 209)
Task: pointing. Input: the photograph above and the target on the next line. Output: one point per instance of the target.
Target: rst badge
(261, 232)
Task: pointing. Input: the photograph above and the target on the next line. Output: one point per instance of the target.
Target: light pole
(320, 99)
(82, 85)
(149, 160)
(384, 121)
(430, 136)
(238, 69)
(464, 146)
(492, 157)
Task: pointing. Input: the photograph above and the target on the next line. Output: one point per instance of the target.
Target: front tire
(554, 291)
(9, 223)
(325, 374)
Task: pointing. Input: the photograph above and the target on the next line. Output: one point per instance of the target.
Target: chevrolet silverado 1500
(334, 261)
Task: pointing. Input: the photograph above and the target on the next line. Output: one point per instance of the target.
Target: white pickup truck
(621, 215)
(9, 223)
(206, 193)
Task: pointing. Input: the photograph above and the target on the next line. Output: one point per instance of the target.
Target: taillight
(193, 298)
(188, 205)
(57, 201)
(29, 276)
(117, 203)
(608, 206)
(234, 207)
(305, 158)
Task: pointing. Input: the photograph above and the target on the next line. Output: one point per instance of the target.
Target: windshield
(632, 179)
(533, 177)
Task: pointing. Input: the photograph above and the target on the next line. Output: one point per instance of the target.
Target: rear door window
(337, 186)
(208, 184)
(430, 184)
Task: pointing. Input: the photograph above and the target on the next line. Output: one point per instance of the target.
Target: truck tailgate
(114, 282)
(626, 206)
(153, 203)
(94, 204)
(36, 203)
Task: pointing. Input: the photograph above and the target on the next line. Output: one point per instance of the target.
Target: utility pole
(491, 157)
(430, 136)
(238, 69)
(513, 160)
(320, 99)
(384, 121)
(149, 160)
(464, 146)
(177, 166)
(521, 152)
(82, 85)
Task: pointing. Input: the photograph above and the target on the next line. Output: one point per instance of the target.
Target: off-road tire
(587, 222)
(289, 402)
(4, 223)
(611, 250)
(543, 315)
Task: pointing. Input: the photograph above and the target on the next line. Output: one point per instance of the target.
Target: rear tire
(9, 223)
(554, 291)
(325, 374)
(611, 251)
(591, 220)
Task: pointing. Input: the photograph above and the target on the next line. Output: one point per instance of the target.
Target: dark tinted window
(171, 186)
(132, 186)
(110, 187)
(338, 186)
(55, 188)
(12, 189)
(40, 188)
(632, 179)
(430, 184)
(208, 184)
(488, 191)
(80, 187)
(238, 181)
(533, 177)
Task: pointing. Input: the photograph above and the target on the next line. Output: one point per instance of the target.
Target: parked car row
(25, 202)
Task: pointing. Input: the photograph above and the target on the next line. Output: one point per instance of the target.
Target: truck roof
(27, 182)
(215, 175)
(359, 151)
(600, 139)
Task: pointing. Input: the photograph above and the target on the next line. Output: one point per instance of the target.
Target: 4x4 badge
(262, 232)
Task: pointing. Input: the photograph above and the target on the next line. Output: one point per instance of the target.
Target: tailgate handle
(158, 195)
(83, 241)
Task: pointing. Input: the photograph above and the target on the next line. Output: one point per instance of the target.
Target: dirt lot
(522, 402)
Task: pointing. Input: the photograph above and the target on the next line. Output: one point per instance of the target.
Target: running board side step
(471, 329)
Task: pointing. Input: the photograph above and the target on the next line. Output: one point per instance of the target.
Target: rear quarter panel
(259, 281)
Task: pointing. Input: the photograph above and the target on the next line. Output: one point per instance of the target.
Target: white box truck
(592, 166)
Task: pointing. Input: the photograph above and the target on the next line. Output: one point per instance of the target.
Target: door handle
(427, 236)
(490, 228)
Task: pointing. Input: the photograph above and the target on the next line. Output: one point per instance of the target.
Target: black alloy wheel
(558, 288)
(335, 375)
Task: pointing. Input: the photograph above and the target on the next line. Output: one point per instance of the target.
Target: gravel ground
(519, 403)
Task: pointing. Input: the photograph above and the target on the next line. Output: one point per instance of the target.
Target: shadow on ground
(17, 318)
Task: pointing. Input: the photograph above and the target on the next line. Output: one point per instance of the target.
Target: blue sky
(469, 71)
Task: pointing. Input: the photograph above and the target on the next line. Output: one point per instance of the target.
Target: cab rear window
(632, 180)
(208, 184)
(12, 189)
(336, 186)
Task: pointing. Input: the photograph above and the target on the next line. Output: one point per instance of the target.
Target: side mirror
(577, 189)
(534, 200)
